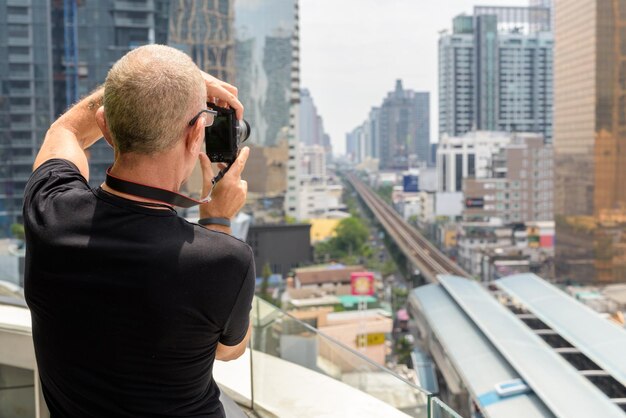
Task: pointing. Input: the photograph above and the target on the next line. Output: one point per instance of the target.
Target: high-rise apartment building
(590, 140)
(26, 98)
(518, 187)
(267, 62)
(495, 72)
(404, 128)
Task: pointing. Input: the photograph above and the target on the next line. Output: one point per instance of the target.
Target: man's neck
(149, 171)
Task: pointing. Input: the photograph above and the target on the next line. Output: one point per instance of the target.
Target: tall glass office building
(26, 106)
(590, 140)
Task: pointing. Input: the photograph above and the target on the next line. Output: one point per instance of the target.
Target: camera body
(224, 137)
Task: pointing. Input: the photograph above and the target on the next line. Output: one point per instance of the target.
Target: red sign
(362, 283)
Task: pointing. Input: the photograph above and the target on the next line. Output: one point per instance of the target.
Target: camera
(224, 137)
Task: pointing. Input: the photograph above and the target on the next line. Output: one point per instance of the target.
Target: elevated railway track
(417, 249)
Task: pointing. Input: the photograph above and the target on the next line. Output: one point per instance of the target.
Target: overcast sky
(352, 51)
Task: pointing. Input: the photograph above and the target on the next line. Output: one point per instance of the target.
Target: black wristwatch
(215, 221)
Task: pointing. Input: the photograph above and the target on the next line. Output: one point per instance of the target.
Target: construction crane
(70, 32)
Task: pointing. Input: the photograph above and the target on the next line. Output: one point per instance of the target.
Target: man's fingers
(207, 172)
(240, 163)
(226, 96)
(231, 89)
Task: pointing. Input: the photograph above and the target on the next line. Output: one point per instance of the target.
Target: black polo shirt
(128, 302)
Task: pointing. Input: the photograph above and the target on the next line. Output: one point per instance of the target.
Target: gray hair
(150, 95)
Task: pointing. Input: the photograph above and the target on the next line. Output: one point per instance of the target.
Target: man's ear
(195, 137)
(104, 128)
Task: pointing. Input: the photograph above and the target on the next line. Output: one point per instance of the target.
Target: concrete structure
(519, 187)
(282, 247)
(495, 72)
(469, 155)
(26, 99)
(488, 341)
(589, 133)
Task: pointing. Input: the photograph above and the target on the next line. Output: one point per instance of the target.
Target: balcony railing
(291, 369)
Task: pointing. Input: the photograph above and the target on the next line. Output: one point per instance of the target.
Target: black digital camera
(224, 137)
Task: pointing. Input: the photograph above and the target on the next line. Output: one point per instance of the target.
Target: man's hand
(222, 93)
(229, 194)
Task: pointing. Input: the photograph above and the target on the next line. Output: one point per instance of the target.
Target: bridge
(417, 249)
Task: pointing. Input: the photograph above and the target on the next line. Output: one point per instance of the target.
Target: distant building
(325, 274)
(266, 169)
(204, 30)
(282, 247)
(267, 66)
(589, 138)
(404, 128)
(519, 187)
(311, 129)
(464, 156)
(495, 72)
(313, 162)
(26, 98)
(319, 199)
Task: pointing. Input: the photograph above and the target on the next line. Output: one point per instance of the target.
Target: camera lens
(243, 131)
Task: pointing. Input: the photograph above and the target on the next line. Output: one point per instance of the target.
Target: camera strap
(153, 193)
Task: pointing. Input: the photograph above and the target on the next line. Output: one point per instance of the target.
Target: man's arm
(236, 333)
(75, 131)
(228, 353)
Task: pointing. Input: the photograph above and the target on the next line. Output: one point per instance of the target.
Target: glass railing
(298, 371)
(290, 369)
(438, 409)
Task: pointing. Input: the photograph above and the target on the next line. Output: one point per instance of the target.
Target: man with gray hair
(131, 304)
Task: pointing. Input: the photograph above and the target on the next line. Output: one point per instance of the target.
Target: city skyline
(347, 64)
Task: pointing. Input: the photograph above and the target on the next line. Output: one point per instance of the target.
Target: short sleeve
(54, 177)
(237, 324)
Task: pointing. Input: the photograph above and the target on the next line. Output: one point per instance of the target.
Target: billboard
(474, 202)
(362, 283)
(410, 183)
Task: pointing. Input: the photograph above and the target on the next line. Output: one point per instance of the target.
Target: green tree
(385, 192)
(17, 230)
(351, 235)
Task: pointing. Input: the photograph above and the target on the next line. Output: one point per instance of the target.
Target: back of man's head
(150, 95)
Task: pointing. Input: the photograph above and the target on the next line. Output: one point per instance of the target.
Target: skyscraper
(265, 57)
(204, 30)
(105, 30)
(26, 98)
(495, 72)
(590, 140)
(404, 128)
